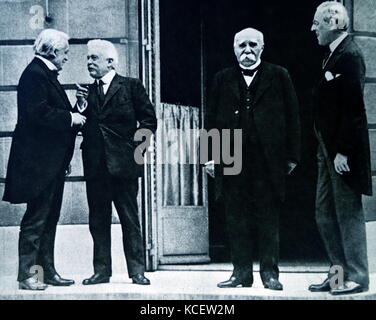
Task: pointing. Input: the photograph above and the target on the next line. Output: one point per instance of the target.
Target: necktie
(100, 92)
(248, 72)
(326, 57)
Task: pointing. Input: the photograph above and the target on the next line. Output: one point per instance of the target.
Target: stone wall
(21, 21)
(117, 20)
(363, 27)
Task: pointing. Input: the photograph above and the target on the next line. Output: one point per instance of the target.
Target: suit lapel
(233, 82)
(337, 54)
(114, 87)
(262, 81)
(93, 99)
(61, 90)
(54, 81)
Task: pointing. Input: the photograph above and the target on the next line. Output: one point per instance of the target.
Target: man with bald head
(343, 155)
(259, 98)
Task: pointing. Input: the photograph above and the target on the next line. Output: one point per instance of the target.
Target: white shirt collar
(254, 66)
(48, 63)
(337, 41)
(107, 78)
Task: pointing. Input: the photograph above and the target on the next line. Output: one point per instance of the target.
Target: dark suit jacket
(340, 114)
(43, 140)
(276, 116)
(109, 131)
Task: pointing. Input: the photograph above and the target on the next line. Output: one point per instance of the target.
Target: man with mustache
(343, 155)
(259, 98)
(115, 107)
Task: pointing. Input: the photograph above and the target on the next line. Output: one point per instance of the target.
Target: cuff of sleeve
(344, 149)
(81, 108)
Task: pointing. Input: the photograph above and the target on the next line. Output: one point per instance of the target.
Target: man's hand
(78, 119)
(340, 164)
(209, 168)
(81, 94)
(290, 166)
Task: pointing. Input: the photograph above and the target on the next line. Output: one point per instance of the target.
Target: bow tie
(248, 72)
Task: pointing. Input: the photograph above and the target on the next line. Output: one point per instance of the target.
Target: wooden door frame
(154, 207)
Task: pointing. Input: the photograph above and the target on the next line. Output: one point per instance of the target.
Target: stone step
(181, 285)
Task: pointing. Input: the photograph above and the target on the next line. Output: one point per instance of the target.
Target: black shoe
(31, 284)
(58, 281)
(140, 279)
(96, 279)
(349, 287)
(273, 284)
(235, 282)
(321, 287)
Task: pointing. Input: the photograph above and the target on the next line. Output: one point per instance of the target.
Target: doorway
(196, 42)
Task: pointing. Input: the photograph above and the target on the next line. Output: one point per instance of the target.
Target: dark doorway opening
(196, 42)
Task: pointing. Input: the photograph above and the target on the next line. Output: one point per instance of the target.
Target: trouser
(101, 192)
(249, 223)
(252, 216)
(38, 229)
(340, 220)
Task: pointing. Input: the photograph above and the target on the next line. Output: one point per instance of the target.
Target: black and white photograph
(188, 155)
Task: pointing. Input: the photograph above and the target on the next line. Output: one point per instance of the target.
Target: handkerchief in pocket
(330, 76)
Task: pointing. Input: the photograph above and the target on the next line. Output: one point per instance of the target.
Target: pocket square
(330, 76)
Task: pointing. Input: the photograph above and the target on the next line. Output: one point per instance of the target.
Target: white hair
(48, 41)
(258, 35)
(106, 48)
(334, 10)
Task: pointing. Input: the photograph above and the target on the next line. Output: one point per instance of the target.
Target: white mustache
(249, 56)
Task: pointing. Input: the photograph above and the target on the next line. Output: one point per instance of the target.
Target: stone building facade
(120, 21)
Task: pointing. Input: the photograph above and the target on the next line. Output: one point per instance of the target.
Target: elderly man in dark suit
(343, 154)
(259, 98)
(114, 106)
(41, 150)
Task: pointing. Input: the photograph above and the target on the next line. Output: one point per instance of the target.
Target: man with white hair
(113, 105)
(343, 155)
(259, 98)
(41, 150)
